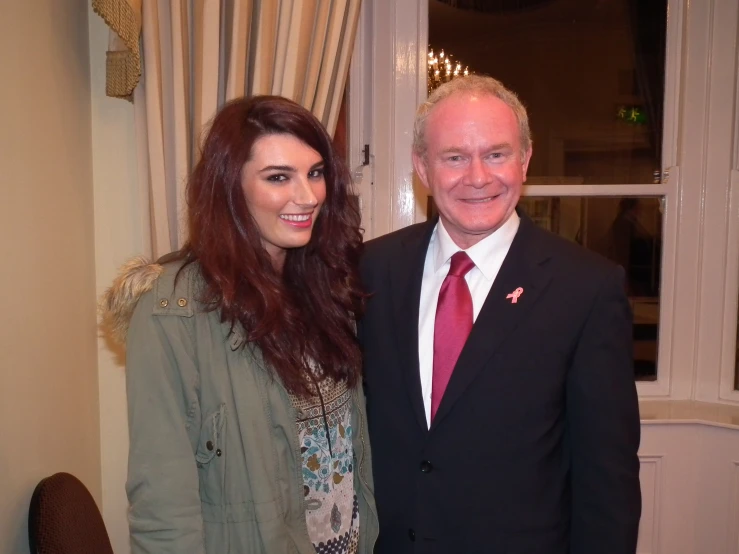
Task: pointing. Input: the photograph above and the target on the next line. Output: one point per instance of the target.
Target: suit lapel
(406, 276)
(524, 267)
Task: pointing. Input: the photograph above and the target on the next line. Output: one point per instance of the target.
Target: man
(518, 433)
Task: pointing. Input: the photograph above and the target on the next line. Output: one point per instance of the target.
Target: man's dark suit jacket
(534, 446)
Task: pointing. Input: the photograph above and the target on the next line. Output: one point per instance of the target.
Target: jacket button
(412, 535)
(426, 466)
(218, 452)
(182, 302)
(163, 302)
(209, 445)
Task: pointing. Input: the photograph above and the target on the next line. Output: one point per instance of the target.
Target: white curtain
(196, 55)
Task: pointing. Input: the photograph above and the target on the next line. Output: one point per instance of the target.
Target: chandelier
(442, 69)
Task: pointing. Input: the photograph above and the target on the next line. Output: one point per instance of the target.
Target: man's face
(473, 167)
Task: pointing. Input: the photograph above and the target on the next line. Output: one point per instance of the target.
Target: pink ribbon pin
(515, 294)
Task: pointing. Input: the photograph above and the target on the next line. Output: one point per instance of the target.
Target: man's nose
(477, 172)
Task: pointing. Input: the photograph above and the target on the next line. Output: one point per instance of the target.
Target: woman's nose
(305, 195)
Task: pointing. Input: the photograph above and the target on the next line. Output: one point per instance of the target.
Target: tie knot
(461, 264)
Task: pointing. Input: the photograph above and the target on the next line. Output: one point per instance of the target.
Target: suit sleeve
(603, 428)
(365, 266)
(163, 485)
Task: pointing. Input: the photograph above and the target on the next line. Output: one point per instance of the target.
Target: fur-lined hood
(135, 277)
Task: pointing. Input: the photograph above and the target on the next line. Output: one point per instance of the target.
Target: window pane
(590, 73)
(627, 230)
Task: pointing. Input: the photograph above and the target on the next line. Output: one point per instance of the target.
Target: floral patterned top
(325, 433)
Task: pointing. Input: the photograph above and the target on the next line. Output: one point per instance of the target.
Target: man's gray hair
(471, 84)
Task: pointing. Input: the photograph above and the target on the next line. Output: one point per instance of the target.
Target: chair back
(64, 519)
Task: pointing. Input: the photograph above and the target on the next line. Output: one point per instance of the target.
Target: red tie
(452, 326)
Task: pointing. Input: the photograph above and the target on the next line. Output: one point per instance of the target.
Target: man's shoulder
(569, 255)
(390, 242)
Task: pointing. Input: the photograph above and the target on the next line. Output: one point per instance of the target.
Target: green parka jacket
(214, 465)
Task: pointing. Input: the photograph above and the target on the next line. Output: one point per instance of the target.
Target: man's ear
(526, 160)
(419, 164)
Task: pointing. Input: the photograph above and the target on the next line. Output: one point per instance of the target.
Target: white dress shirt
(488, 256)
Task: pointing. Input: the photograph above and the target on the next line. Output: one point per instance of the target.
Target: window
(676, 158)
(592, 77)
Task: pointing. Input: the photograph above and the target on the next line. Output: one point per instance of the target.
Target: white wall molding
(651, 476)
(690, 486)
(733, 531)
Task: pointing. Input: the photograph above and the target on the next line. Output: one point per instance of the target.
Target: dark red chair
(64, 519)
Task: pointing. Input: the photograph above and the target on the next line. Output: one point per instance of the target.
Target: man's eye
(454, 158)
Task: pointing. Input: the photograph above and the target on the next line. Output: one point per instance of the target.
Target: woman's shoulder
(166, 287)
(177, 284)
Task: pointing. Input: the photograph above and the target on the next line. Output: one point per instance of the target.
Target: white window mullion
(666, 367)
(727, 390)
(661, 189)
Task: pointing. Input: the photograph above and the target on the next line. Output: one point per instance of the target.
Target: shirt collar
(482, 253)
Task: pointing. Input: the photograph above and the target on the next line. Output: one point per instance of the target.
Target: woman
(246, 413)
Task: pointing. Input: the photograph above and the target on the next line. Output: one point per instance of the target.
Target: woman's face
(284, 187)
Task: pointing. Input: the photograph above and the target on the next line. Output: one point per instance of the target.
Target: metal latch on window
(660, 176)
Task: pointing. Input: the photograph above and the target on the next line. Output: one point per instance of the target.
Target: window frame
(727, 390)
(718, 280)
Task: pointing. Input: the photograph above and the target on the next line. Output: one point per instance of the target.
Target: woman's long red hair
(304, 315)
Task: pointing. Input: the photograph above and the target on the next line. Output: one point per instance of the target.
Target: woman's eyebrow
(278, 168)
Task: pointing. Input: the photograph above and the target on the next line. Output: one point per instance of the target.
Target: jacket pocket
(211, 436)
(210, 454)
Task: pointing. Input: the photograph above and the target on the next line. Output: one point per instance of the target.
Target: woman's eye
(316, 173)
(277, 178)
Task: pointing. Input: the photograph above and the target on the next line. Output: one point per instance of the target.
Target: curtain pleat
(297, 51)
(342, 69)
(264, 51)
(181, 128)
(143, 171)
(160, 207)
(241, 18)
(283, 35)
(325, 78)
(206, 53)
(167, 93)
(316, 53)
(197, 54)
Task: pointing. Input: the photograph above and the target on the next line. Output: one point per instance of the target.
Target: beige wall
(49, 411)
